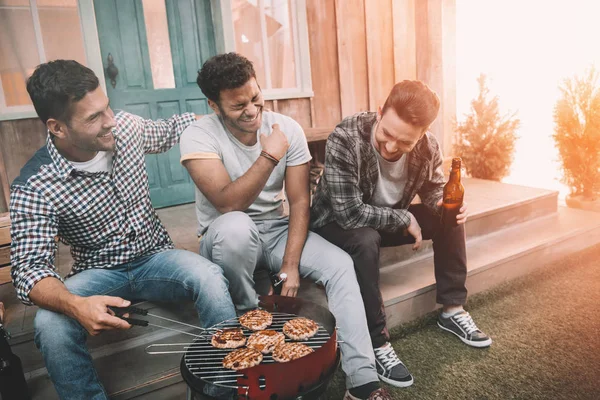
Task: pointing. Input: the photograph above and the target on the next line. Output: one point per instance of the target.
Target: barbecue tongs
(121, 311)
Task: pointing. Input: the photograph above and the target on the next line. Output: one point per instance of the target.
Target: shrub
(577, 133)
(486, 140)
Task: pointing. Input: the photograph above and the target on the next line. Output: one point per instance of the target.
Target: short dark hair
(414, 102)
(54, 87)
(222, 72)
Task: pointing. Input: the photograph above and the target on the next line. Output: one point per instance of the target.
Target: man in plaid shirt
(89, 187)
(375, 165)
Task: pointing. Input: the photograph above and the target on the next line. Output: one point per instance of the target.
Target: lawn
(546, 332)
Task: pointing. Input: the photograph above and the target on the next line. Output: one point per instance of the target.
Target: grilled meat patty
(290, 351)
(300, 328)
(230, 338)
(256, 320)
(242, 358)
(265, 341)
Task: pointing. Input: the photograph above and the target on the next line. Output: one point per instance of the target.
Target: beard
(237, 124)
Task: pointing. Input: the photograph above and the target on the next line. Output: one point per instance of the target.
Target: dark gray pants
(363, 244)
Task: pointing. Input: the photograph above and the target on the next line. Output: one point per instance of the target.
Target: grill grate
(206, 362)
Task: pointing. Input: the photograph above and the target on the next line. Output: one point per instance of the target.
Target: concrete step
(409, 290)
(492, 206)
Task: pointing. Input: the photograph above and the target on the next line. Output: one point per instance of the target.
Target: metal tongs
(120, 312)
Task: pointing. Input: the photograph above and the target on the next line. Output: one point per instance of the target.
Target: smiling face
(88, 131)
(394, 137)
(241, 108)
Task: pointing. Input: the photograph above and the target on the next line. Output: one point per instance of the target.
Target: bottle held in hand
(454, 193)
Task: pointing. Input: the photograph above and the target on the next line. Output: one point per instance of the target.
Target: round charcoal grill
(305, 378)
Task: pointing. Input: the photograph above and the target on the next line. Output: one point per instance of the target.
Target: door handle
(111, 70)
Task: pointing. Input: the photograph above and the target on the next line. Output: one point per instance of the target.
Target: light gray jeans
(238, 244)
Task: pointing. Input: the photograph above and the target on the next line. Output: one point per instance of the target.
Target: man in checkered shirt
(375, 165)
(89, 187)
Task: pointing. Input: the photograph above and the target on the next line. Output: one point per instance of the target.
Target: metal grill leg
(189, 394)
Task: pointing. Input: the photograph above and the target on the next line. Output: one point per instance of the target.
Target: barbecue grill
(303, 378)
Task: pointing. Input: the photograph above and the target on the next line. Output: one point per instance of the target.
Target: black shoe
(390, 369)
(462, 325)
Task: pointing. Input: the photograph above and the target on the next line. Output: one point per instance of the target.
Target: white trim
(37, 29)
(265, 44)
(91, 43)
(294, 30)
(223, 25)
(282, 94)
(18, 112)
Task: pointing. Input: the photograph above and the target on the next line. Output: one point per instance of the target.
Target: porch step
(492, 206)
(408, 292)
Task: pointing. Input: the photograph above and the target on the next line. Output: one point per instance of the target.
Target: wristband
(269, 157)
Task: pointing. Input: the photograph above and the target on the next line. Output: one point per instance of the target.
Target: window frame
(91, 45)
(223, 18)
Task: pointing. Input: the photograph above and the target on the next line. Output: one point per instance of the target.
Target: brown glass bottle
(454, 193)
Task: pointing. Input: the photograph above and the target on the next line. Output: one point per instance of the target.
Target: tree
(486, 140)
(577, 133)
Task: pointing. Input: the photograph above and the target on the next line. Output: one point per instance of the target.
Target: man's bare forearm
(298, 230)
(52, 294)
(241, 193)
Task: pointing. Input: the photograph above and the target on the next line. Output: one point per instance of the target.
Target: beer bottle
(454, 193)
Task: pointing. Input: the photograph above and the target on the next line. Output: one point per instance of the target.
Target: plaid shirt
(351, 174)
(106, 218)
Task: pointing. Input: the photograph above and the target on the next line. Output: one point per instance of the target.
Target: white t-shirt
(391, 181)
(102, 162)
(208, 138)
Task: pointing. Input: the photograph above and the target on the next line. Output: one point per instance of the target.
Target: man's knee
(364, 239)
(53, 330)
(234, 231)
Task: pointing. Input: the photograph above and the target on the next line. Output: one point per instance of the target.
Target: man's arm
(213, 180)
(297, 190)
(157, 136)
(342, 177)
(34, 226)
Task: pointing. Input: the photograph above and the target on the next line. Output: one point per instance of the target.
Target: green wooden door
(123, 34)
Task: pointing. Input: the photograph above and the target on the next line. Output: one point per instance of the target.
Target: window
(273, 34)
(33, 32)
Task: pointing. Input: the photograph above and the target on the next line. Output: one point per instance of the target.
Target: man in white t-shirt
(239, 158)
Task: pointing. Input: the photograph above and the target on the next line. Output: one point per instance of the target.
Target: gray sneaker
(461, 324)
(389, 367)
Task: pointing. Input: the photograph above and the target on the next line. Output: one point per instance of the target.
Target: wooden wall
(19, 140)
(358, 49)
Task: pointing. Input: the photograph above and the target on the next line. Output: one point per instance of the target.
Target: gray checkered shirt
(351, 174)
(106, 218)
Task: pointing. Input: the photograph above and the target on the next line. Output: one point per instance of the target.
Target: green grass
(546, 332)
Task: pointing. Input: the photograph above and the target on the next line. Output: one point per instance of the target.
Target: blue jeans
(171, 275)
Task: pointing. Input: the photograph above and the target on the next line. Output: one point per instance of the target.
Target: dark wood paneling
(19, 140)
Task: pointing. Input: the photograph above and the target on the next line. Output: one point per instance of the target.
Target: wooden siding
(358, 50)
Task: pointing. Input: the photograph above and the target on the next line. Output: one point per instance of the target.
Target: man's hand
(462, 215)
(1, 312)
(276, 143)
(292, 282)
(415, 230)
(95, 316)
